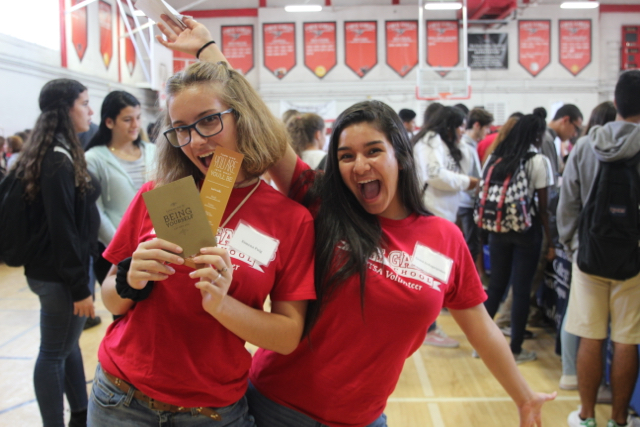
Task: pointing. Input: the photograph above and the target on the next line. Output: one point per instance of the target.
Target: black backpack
(504, 204)
(18, 226)
(609, 224)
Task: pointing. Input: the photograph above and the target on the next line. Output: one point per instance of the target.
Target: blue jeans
(271, 414)
(59, 369)
(470, 231)
(514, 259)
(109, 406)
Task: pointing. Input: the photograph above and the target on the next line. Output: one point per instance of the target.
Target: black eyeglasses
(578, 128)
(207, 126)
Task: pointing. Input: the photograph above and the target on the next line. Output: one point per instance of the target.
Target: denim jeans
(514, 259)
(470, 231)
(109, 406)
(271, 414)
(59, 369)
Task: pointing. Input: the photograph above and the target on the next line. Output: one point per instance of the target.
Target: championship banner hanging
(79, 29)
(129, 48)
(320, 47)
(237, 46)
(279, 48)
(443, 44)
(534, 45)
(575, 44)
(361, 46)
(402, 45)
(106, 32)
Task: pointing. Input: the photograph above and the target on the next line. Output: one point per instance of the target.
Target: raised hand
(188, 40)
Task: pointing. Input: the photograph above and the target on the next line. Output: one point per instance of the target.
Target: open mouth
(205, 159)
(369, 189)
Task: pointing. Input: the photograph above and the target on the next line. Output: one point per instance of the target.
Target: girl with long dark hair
(438, 156)
(515, 255)
(63, 195)
(121, 161)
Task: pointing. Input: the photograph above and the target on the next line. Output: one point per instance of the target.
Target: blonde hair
(302, 130)
(262, 138)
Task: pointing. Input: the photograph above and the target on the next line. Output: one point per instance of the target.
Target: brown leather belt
(154, 404)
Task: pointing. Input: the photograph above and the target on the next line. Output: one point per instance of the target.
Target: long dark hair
(444, 122)
(427, 118)
(57, 97)
(113, 103)
(526, 132)
(342, 220)
(602, 114)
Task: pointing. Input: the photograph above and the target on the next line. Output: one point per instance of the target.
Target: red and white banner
(237, 46)
(575, 44)
(534, 45)
(361, 46)
(79, 29)
(279, 48)
(129, 48)
(182, 60)
(443, 44)
(105, 18)
(320, 47)
(402, 45)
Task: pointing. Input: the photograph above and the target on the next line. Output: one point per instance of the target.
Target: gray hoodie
(614, 141)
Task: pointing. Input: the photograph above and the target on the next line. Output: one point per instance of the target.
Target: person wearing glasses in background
(177, 355)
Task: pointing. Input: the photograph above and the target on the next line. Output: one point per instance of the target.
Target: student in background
(408, 118)
(57, 182)
(307, 137)
(121, 161)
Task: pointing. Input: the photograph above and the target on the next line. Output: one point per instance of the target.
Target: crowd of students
(375, 236)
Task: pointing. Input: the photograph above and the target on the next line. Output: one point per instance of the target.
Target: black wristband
(124, 289)
(204, 46)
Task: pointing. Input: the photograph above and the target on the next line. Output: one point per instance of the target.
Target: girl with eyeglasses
(121, 161)
(177, 355)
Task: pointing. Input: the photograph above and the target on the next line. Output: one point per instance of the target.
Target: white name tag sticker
(431, 262)
(253, 243)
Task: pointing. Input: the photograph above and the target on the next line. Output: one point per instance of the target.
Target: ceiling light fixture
(303, 8)
(443, 5)
(579, 5)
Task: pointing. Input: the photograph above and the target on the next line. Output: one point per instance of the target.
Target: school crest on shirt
(398, 269)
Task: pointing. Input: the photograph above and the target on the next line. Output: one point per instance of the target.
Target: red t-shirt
(353, 364)
(167, 345)
(486, 143)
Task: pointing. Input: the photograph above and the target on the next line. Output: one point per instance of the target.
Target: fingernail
(171, 270)
(192, 274)
(179, 261)
(178, 249)
(203, 250)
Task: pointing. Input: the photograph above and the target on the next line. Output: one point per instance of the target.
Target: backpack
(18, 243)
(20, 223)
(505, 205)
(609, 224)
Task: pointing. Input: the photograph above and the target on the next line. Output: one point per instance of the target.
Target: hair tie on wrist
(124, 289)
(204, 46)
